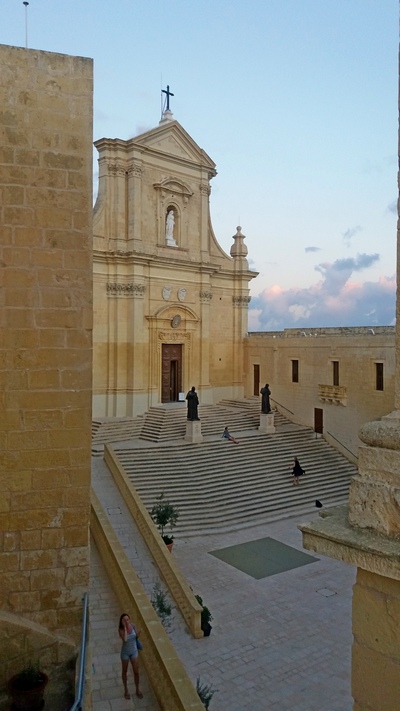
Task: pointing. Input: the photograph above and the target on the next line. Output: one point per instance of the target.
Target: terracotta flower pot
(169, 542)
(27, 697)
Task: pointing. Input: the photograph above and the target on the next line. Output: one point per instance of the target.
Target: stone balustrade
(168, 678)
(336, 394)
(165, 562)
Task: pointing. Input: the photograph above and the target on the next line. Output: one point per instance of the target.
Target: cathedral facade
(170, 306)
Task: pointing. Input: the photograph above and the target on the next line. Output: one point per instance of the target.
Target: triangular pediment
(171, 139)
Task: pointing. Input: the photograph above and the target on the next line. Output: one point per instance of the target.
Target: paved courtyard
(280, 643)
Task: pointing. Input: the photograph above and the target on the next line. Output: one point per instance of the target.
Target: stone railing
(167, 675)
(336, 394)
(165, 562)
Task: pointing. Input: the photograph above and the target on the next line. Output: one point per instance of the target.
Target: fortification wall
(45, 352)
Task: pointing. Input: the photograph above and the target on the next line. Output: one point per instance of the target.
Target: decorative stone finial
(239, 248)
(167, 116)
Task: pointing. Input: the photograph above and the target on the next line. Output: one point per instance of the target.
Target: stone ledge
(167, 675)
(383, 433)
(165, 562)
(333, 536)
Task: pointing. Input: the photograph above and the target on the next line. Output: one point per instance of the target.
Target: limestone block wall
(357, 350)
(132, 321)
(375, 654)
(46, 324)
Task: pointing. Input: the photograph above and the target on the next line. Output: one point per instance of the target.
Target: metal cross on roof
(168, 93)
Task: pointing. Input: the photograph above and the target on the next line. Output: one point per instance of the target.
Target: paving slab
(107, 689)
(277, 643)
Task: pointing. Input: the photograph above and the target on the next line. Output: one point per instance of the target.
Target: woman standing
(129, 652)
(297, 471)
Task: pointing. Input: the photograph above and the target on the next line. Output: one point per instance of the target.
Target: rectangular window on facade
(335, 372)
(379, 376)
(295, 371)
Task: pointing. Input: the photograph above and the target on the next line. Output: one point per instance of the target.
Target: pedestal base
(193, 431)
(267, 423)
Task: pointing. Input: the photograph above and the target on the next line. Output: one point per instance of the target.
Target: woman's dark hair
(121, 626)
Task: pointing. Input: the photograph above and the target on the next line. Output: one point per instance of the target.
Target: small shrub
(161, 605)
(164, 514)
(205, 692)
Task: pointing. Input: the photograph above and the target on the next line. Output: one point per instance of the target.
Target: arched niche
(172, 225)
(172, 194)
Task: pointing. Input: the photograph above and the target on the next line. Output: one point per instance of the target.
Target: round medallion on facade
(176, 321)
(182, 294)
(166, 292)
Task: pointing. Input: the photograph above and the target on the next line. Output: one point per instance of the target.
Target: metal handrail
(78, 703)
(342, 445)
(278, 403)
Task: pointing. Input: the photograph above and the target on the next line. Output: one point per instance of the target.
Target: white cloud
(333, 301)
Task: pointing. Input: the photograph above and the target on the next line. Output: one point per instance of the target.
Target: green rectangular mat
(263, 557)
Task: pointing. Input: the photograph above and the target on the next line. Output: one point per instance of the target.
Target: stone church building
(170, 306)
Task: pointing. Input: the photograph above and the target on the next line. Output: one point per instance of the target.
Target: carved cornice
(175, 186)
(176, 336)
(116, 169)
(205, 296)
(241, 300)
(136, 290)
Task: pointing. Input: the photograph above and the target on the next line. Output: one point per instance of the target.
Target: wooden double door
(171, 372)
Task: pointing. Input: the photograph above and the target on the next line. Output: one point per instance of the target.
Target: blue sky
(295, 101)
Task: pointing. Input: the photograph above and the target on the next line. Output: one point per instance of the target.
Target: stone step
(165, 423)
(218, 485)
(171, 424)
(114, 429)
(247, 403)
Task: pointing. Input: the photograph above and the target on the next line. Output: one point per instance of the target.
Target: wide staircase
(218, 485)
(168, 423)
(114, 429)
(162, 424)
(221, 486)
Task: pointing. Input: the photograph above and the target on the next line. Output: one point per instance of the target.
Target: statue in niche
(169, 228)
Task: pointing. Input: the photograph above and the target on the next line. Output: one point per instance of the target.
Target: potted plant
(27, 689)
(206, 617)
(205, 692)
(164, 514)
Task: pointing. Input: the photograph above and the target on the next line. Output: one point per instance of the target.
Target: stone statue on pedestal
(265, 404)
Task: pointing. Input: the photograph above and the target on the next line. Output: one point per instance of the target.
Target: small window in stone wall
(335, 372)
(378, 376)
(295, 371)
